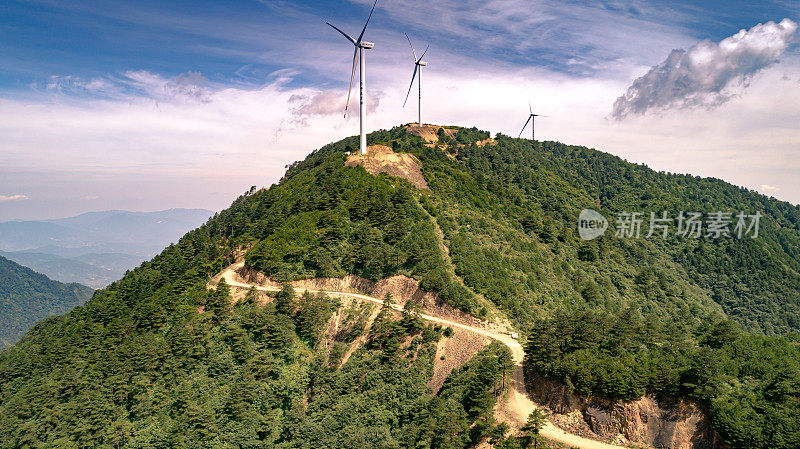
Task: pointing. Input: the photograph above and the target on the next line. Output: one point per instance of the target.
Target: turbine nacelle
(422, 63)
(366, 45)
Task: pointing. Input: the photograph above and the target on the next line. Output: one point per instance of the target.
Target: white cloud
(328, 103)
(190, 86)
(5, 198)
(768, 188)
(175, 126)
(704, 75)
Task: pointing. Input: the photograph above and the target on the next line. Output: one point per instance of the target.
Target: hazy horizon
(92, 211)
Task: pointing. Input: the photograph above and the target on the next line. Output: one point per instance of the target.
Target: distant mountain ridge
(95, 270)
(27, 297)
(95, 248)
(138, 233)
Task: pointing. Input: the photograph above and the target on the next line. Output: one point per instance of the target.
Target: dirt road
(518, 406)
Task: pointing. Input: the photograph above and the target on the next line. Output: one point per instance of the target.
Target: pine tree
(285, 300)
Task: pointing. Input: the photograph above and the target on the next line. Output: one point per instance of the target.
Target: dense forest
(27, 297)
(157, 360)
(749, 383)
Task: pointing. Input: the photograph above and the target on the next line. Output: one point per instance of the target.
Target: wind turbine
(358, 59)
(531, 120)
(418, 65)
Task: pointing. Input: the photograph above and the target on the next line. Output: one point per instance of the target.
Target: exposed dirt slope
(361, 338)
(401, 288)
(429, 133)
(452, 353)
(652, 420)
(381, 159)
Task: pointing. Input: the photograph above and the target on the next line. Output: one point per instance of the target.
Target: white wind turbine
(531, 120)
(418, 65)
(358, 58)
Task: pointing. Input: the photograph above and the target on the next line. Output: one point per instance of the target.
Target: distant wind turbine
(418, 65)
(358, 59)
(531, 120)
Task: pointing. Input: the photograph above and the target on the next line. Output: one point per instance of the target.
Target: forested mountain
(27, 297)
(157, 360)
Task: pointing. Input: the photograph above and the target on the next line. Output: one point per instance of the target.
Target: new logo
(591, 224)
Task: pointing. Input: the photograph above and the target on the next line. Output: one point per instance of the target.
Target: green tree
(219, 301)
(285, 300)
(530, 431)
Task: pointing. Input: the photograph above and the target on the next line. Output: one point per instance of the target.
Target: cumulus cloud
(5, 198)
(190, 85)
(703, 75)
(768, 188)
(327, 103)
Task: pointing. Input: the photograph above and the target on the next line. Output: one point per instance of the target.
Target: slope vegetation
(513, 410)
(27, 297)
(157, 359)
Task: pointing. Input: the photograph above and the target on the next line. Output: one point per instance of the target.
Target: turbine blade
(352, 76)
(524, 126)
(423, 53)
(530, 108)
(365, 25)
(412, 48)
(416, 67)
(343, 33)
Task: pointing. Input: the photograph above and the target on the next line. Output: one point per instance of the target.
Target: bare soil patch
(429, 133)
(381, 159)
(454, 352)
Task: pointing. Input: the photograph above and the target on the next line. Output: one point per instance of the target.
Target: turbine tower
(418, 65)
(531, 120)
(358, 59)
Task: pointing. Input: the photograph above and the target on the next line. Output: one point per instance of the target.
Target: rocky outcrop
(653, 420)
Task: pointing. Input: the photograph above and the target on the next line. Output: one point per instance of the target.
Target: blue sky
(203, 99)
(237, 41)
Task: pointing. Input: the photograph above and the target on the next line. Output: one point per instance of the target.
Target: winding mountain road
(518, 406)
